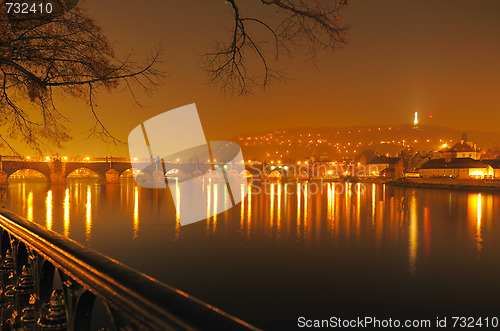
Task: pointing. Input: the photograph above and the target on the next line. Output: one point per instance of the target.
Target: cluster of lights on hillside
(283, 143)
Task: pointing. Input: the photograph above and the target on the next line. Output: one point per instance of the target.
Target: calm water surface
(294, 249)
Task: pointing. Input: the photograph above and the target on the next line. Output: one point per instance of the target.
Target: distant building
(388, 172)
(462, 149)
(462, 168)
(495, 165)
(462, 160)
(324, 158)
(377, 166)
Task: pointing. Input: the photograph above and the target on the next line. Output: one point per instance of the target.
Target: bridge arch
(139, 177)
(27, 173)
(84, 172)
(98, 168)
(92, 314)
(130, 173)
(233, 173)
(5, 244)
(213, 175)
(245, 174)
(47, 274)
(127, 173)
(275, 174)
(22, 257)
(177, 173)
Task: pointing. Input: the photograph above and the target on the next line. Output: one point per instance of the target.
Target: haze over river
(293, 249)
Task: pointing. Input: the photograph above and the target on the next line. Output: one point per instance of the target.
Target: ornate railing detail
(49, 282)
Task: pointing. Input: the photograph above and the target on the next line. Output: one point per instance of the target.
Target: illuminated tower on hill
(415, 121)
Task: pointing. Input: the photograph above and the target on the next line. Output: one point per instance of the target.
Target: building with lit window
(495, 164)
(462, 161)
(461, 150)
(461, 168)
(382, 165)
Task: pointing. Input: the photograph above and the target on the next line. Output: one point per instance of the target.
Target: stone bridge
(108, 170)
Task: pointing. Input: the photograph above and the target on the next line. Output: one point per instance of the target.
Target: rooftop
(461, 147)
(384, 160)
(461, 163)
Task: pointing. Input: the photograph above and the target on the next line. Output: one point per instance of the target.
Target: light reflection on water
(341, 232)
(346, 213)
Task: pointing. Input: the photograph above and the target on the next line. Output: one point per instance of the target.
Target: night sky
(439, 57)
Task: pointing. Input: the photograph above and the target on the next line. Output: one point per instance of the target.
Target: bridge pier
(57, 170)
(112, 176)
(3, 177)
(158, 177)
(57, 178)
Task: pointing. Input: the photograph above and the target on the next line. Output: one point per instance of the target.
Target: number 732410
(26, 8)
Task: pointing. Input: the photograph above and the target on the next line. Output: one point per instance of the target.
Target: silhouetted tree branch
(63, 54)
(314, 24)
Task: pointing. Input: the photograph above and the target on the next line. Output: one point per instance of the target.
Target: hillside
(299, 143)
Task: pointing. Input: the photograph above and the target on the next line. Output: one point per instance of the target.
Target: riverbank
(375, 180)
(445, 183)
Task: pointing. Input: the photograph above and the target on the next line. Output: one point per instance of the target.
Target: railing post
(56, 318)
(3, 175)
(28, 317)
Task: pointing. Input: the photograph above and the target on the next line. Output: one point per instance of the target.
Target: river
(294, 249)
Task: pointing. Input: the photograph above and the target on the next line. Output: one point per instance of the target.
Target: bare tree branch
(66, 53)
(315, 23)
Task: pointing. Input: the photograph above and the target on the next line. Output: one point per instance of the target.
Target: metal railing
(50, 282)
(86, 159)
(62, 158)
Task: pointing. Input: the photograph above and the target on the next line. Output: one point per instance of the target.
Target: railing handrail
(155, 305)
(81, 159)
